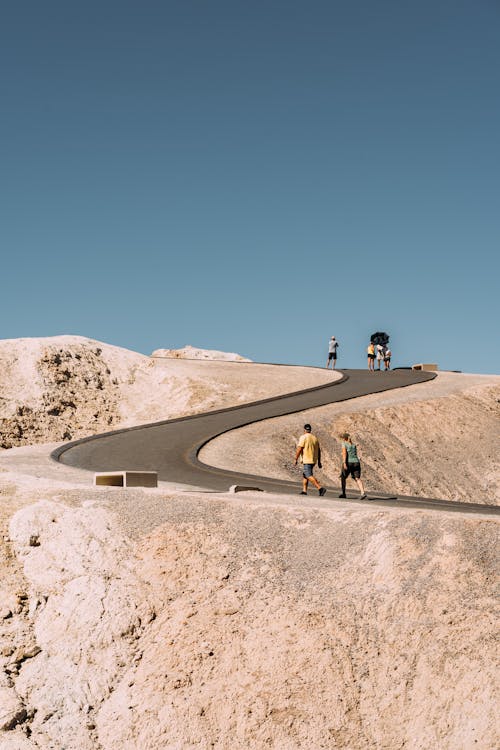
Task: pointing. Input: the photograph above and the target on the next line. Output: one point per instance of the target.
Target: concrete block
(243, 488)
(126, 478)
(425, 366)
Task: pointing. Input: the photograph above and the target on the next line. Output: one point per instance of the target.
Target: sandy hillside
(165, 619)
(437, 439)
(67, 387)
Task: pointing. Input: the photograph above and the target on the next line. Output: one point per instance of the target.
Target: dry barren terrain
(171, 619)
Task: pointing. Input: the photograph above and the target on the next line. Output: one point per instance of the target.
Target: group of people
(378, 352)
(308, 447)
(309, 452)
(381, 354)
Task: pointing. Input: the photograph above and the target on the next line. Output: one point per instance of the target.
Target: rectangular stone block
(243, 488)
(425, 366)
(126, 478)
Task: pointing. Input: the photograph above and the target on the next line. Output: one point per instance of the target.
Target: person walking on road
(309, 451)
(350, 465)
(332, 352)
(370, 350)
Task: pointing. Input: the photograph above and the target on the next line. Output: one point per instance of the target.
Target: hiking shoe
(322, 491)
(363, 497)
(342, 494)
(302, 493)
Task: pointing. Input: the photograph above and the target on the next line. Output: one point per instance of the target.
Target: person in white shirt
(380, 355)
(332, 352)
(387, 358)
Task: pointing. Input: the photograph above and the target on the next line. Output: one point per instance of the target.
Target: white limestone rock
(192, 352)
(91, 606)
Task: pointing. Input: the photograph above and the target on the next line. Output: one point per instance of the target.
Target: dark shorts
(371, 356)
(331, 355)
(354, 470)
(307, 470)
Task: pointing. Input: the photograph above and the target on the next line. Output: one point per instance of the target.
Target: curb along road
(171, 447)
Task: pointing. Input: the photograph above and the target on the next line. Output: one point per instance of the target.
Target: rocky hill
(66, 387)
(145, 619)
(192, 352)
(61, 388)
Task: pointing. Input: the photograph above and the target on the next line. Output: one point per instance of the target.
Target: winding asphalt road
(171, 447)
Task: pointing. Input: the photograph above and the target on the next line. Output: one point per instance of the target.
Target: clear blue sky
(254, 176)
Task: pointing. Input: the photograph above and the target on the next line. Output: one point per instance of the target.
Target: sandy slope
(168, 620)
(66, 387)
(436, 439)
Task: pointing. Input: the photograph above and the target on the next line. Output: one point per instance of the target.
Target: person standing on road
(370, 350)
(380, 355)
(387, 358)
(332, 352)
(350, 465)
(309, 451)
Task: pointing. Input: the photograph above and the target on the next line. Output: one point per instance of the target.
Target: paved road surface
(171, 447)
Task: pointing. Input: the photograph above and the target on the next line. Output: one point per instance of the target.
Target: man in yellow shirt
(309, 451)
